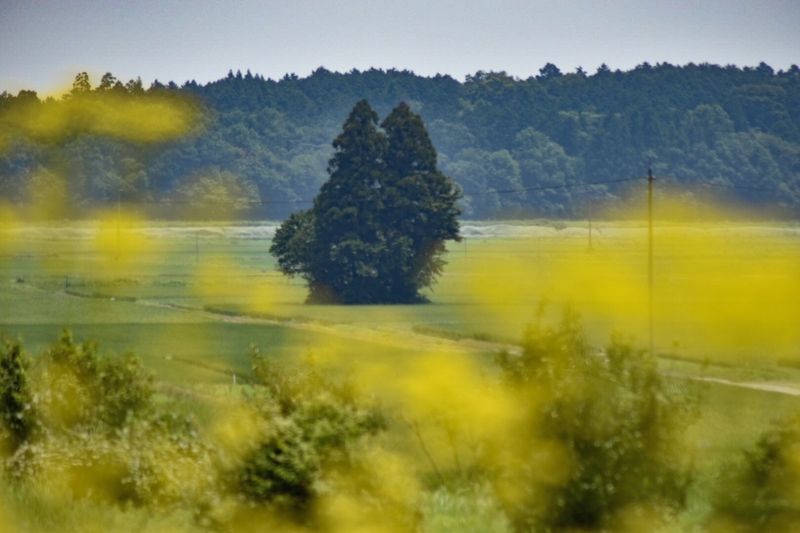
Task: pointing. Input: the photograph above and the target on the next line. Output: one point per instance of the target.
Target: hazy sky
(44, 43)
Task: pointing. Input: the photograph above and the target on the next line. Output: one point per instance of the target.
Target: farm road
(405, 339)
(767, 386)
(423, 343)
(427, 343)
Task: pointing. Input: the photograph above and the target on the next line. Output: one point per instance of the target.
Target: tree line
(259, 147)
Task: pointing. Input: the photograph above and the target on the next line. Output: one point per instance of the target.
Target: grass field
(711, 283)
(192, 301)
(726, 296)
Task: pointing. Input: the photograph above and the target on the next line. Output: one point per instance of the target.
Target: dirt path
(767, 386)
(393, 338)
(429, 343)
(426, 343)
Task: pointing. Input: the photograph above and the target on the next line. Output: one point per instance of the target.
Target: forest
(546, 146)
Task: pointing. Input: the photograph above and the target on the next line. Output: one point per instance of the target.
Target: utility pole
(590, 221)
(119, 221)
(650, 180)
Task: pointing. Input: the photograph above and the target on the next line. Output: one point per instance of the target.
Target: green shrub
(100, 436)
(80, 387)
(153, 462)
(761, 492)
(19, 420)
(315, 425)
(598, 433)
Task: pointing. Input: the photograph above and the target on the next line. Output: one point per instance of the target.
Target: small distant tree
(81, 85)
(549, 71)
(106, 82)
(377, 229)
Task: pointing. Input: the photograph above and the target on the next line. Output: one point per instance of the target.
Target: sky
(45, 43)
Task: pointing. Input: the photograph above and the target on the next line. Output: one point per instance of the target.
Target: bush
(18, 417)
(314, 452)
(761, 492)
(82, 407)
(155, 462)
(314, 421)
(598, 433)
(81, 388)
(99, 436)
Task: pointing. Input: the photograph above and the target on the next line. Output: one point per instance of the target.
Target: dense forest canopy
(260, 147)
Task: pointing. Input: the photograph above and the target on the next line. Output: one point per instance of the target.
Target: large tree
(377, 229)
(419, 202)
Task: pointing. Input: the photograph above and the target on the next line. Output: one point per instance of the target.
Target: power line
(650, 278)
(743, 188)
(553, 187)
(465, 195)
(725, 186)
(566, 186)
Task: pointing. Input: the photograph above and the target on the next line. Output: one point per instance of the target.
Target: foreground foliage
(590, 441)
(604, 433)
(19, 420)
(759, 492)
(292, 452)
(313, 449)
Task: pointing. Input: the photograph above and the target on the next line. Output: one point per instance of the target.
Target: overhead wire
(466, 194)
(565, 186)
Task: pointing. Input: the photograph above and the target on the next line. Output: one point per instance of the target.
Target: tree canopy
(377, 230)
(734, 129)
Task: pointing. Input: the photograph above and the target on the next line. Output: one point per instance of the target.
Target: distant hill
(263, 145)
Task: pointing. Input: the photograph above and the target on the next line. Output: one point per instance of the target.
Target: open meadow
(193, 302)
(722, 294)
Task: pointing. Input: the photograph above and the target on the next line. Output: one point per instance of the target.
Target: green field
(146, 292)
(229, 269)
(191, 303)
